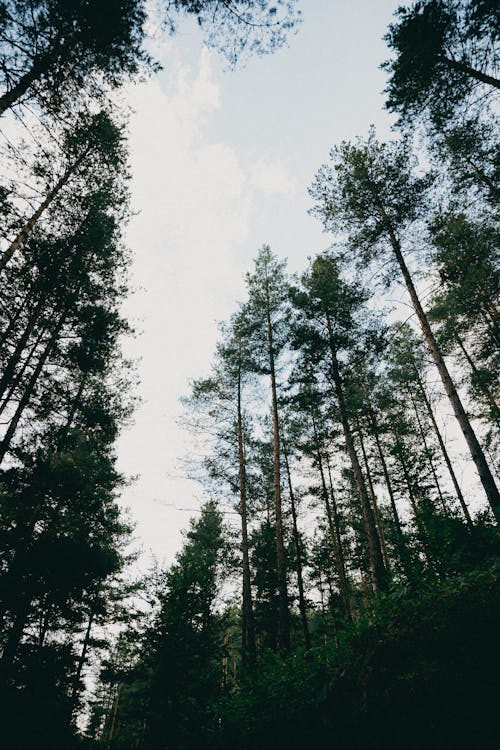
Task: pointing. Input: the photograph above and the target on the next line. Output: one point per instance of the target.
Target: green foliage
(444, 51)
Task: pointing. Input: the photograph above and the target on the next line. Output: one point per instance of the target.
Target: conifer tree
(371, 192)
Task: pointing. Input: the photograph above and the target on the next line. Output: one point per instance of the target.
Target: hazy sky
(220, 163)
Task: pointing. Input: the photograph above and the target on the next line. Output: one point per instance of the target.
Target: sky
(220, 163)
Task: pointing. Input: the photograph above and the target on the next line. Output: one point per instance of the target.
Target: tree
(330, 307)
(51, 51)
(370, 191)
(264, 319)
(239, 28)
(445, 54)
(222, 399)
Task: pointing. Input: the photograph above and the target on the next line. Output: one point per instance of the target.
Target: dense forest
(340, 583)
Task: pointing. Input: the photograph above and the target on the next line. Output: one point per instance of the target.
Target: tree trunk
(81, 659)
(247, 610)
(8, 99)
(338, 548)
(283, 615)
(19, 376)
(298, 559)
(428, 454)
(51, 195)
(28, 392)
(14, 358)
(475, 449)
(379, 572)
(486, 391)
(376, 511)
(446, 457)
(387, 478)
(478, 75)
(333, 525)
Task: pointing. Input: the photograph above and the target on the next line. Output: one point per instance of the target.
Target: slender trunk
(298, 559)
(428, 454)
(473, 367)
(8, 99)
(81, 658)
(387, 478)
(51, 195)
(283, 615)
(379, 572)
(475, 449)
(422, 533)
(14, 358)
(332, 608)
(19, 375)
(376, 511)
(338, 547)
(446, 457)
(30, 387)
(247, 613)
(4, 337)
(478, 75)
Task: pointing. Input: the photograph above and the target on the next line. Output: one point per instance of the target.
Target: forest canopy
(339, 584)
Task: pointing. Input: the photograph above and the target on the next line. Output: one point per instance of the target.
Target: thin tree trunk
(81, 658)
(8, 99)
(428, 454)
(298, 559)
(283, 615)
(334, 526)
(14, 358)
(473, 367)
(379, 572)
(475, 449)
(247, 618)
(478, 75)
(376, 511)
(4, 337)
(387, 478)
(446, 457)
(51, 195)
(19, 376)
(28, 392)
(15, 633)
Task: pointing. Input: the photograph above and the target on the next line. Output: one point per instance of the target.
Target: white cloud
(272, 178)
(194, 203)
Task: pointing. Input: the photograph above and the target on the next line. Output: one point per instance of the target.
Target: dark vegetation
(340, 587)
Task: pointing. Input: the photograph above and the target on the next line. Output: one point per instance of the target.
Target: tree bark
(283, 614)
(81, 658)
(299, 561)
(446, 457)
(478, 75)
(475, 449)
(379, 572)
(28, 392)
(51, 195)
(14, 358)
(473, 367)
(338, 549)
(248, 628)
(376, 511)
(428, 454)
(8, 99)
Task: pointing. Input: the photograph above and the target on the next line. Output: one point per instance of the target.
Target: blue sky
(220, 163)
